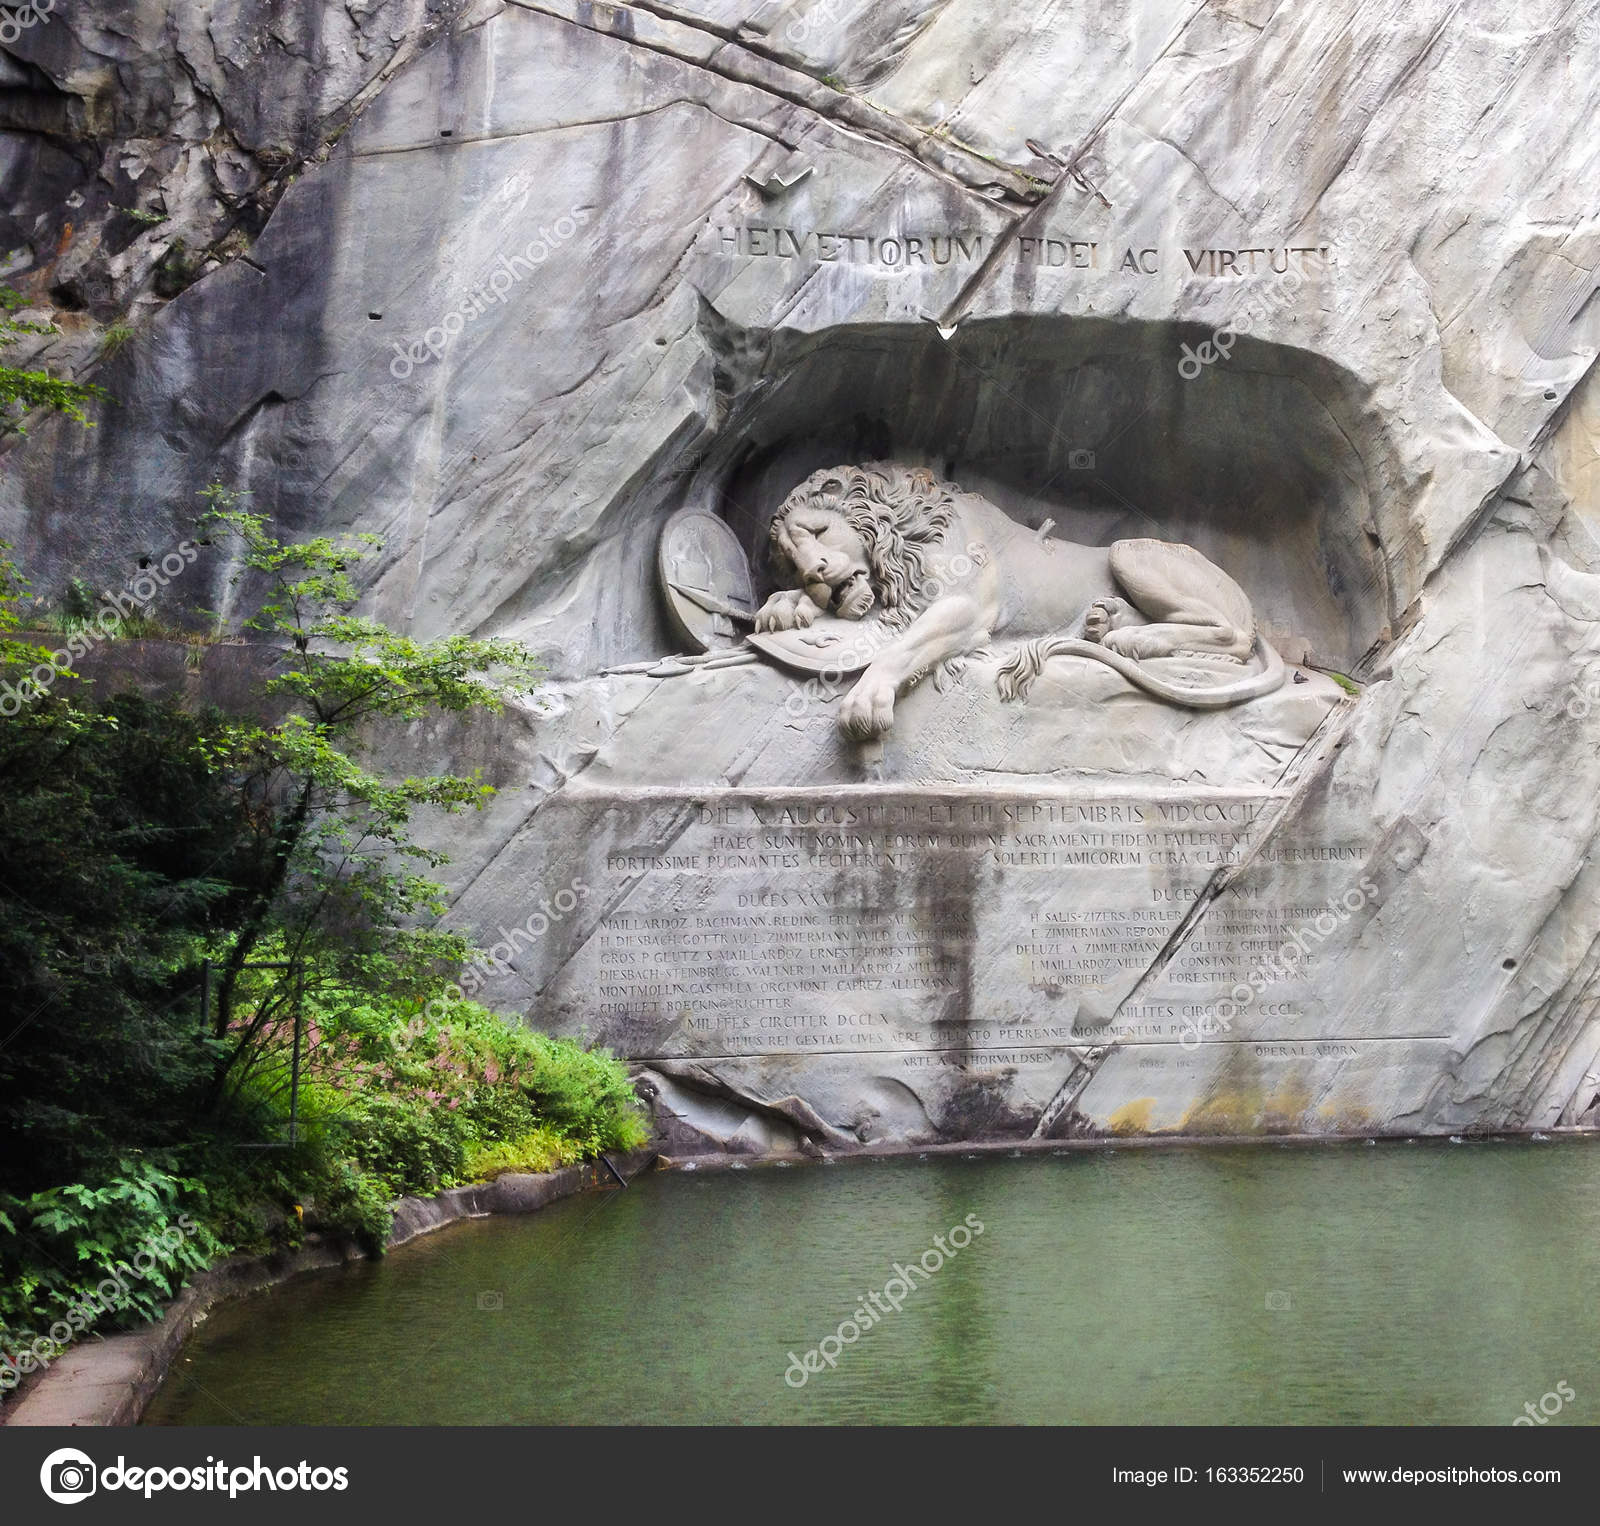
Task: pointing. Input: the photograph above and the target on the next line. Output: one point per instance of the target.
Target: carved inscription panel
(905, 924)
(883, 250)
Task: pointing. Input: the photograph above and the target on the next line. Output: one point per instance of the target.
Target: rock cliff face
(1310, 285)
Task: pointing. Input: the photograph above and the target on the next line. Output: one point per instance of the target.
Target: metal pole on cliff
(294, 1069)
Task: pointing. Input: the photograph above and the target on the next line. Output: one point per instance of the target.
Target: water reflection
(1407, 1284)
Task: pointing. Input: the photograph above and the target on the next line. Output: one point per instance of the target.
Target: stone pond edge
(109, 1381)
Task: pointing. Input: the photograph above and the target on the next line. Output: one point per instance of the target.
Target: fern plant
(89, 1253)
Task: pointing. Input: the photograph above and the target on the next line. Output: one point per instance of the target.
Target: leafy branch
(27, 390)
(336, 893)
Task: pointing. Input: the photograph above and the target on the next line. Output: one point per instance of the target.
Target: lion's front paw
(1136, 642)
(856, 599)
(788, 610)
(785, 610)
(774, 615)
(868, 709)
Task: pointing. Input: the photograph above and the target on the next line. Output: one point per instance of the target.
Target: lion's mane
(899, 512)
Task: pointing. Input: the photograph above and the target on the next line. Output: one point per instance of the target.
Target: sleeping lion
(948, 573)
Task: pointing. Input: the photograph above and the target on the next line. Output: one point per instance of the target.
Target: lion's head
(898, 512)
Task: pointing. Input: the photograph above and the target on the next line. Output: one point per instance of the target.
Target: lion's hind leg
(1107, 615)
(1191, 603)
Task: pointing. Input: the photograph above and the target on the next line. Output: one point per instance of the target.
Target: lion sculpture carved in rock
(946, 573)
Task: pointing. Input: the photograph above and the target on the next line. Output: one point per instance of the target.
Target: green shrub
(121, 849)
(488, 1074)
(347, 1199)
(83, 1254)
(584, 1094)
(411, 1149)
(393, 1105)
(144, 850)
(537, 1150)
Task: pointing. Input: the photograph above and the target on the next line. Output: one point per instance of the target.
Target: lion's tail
(1018, 672)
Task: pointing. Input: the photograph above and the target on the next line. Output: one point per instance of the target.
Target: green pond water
(1395, 1284)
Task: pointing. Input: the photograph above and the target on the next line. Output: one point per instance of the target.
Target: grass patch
(1344, 681)
(539, 1150)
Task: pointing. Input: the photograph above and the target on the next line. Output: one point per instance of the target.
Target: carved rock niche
(1265, 462)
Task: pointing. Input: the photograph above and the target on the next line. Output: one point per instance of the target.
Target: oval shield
(705, 580)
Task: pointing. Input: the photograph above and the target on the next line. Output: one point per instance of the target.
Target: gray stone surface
(1306, 286)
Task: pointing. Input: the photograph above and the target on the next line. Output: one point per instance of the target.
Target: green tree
(141, 839)
(341, 900)
(122, 855)
(23, 391)
(15, 656)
